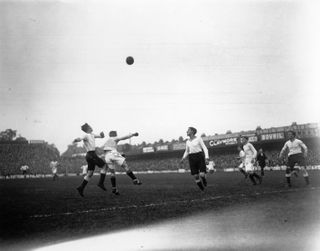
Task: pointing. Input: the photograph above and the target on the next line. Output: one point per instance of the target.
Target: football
(129, 60)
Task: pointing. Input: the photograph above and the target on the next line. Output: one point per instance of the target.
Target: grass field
(167, 212)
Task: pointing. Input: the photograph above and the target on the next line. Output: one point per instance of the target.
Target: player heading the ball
(91, 156)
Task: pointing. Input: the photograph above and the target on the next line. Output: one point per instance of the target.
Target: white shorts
(54, 171)
(249, 167)
(241, 166)
(114, 159)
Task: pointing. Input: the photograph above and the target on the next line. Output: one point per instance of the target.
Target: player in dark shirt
(261, 160)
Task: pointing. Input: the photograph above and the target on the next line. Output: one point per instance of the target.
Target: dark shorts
(93, 160)
(197, 163)
(262, 164)
(296, 159)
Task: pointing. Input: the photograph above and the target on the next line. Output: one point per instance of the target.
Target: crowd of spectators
(222, 161)
(38, 157)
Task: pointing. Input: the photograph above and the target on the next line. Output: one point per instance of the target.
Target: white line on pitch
(211, 198)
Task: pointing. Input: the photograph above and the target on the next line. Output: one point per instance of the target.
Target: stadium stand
(222, 149)
(36, 156)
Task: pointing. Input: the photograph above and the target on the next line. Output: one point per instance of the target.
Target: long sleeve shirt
(250, 151)
(196, 145)
(294, 147)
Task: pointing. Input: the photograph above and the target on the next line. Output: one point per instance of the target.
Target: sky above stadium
(215, 65)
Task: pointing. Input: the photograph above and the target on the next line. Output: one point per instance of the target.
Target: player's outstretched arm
(128, 136)
(101, 135)
(76, 140)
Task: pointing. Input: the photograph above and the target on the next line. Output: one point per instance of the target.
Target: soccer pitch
(168, 212)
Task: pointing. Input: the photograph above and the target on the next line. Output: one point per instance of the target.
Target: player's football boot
(115, 191)
(102, 187)
(137, 182)
(80, 191)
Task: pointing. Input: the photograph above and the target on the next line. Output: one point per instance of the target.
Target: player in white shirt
(198, 156)
(54, 168)
(249, 160)
(241, 159)
(91, 157)
(114, 159)
(297, 152)
(211, 167)
(84, 169)
(24, 170)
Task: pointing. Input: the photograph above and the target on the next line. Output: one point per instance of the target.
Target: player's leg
(87, 177)
(305, 175)
(55, 176)
(250, 170)
(101, 164)
(203, 178)
(135, 180)
(258, 177)
(262, 170)
(198, 181)
(255, 175)
(295, 171)
(103, 173)
(302, 164)
(290, 168)
(288, 176)
(113, 180)
(203, 170)
(251, 177)
(295, 159)
(243, 172)
(85, 181)
(194, 169)
(241, 169)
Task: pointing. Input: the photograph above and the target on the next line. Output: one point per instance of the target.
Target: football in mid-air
(129, 60)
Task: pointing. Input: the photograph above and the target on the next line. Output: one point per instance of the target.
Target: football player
(249, 160)
(198, 156)
(241, 159)
(84, 169)
(91, 157)
(114, 159)
(54, 168)
(24, 170)
(261, 160)
(297, 152)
